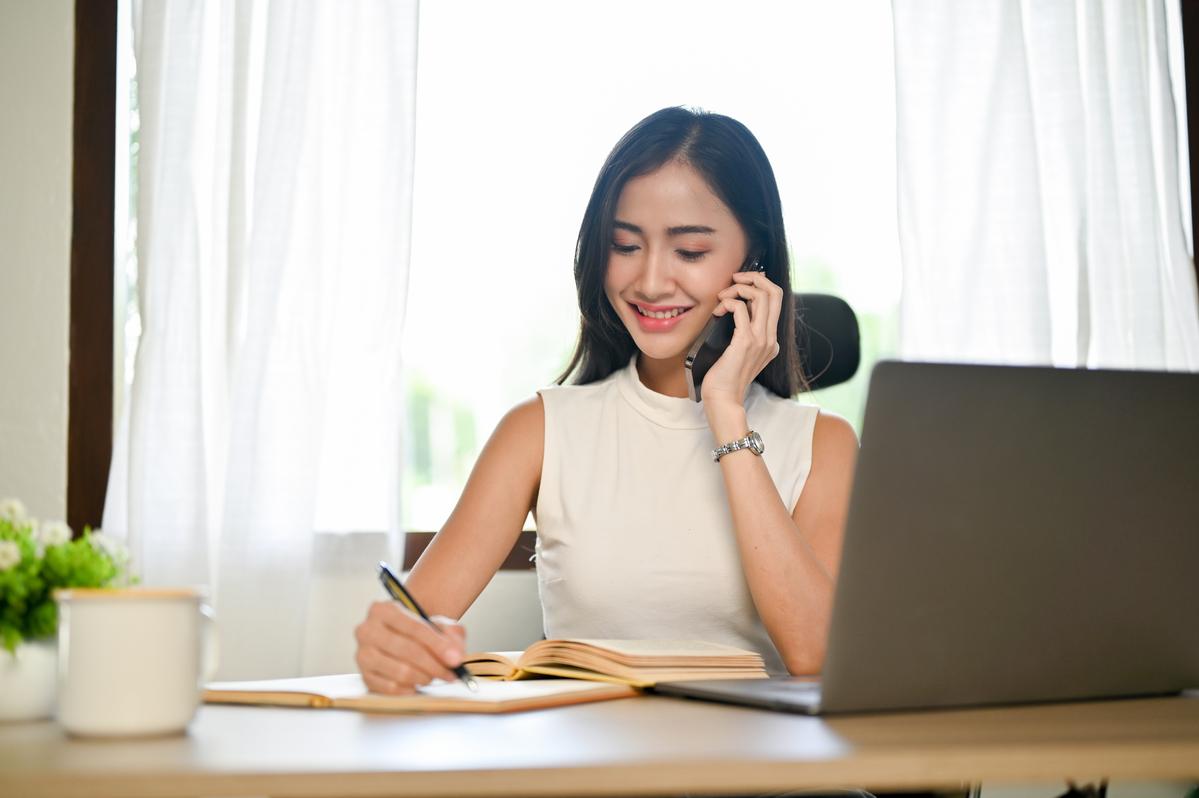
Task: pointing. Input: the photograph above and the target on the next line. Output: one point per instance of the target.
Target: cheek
(616, 278)
(705, 286)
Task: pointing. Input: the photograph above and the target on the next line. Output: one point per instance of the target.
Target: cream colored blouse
(634, 534)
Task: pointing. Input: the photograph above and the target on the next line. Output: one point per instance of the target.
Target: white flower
(110, 546)
(54, 533)
(10, 554)
(12, 509)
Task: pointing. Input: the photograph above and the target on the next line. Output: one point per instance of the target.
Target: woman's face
(674, 246)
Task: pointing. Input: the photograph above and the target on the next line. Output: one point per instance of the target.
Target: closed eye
(690, 255)
(624, 249)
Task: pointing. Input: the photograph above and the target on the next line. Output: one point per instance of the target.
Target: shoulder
(526, 418)
(812, 433)
(834, 442)
(517, 442)
(832, 430)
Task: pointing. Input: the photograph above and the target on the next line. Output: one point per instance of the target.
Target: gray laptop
(1015, 535)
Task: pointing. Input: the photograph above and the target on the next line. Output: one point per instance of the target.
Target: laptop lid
(1017, 535)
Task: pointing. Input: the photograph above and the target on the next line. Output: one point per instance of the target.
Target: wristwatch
(752, 441)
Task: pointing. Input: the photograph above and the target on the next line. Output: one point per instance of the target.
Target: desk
(636, 746)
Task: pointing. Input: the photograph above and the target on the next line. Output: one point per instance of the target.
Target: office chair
(826, 331)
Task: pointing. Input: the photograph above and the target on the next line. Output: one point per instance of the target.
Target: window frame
(93, 273)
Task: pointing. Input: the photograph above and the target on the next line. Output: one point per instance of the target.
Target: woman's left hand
(755, 303)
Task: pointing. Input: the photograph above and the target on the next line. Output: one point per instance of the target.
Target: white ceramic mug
(132, 661)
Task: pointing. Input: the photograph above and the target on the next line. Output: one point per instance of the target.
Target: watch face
(755, 440)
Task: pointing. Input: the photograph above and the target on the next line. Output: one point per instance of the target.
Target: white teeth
(659, 314)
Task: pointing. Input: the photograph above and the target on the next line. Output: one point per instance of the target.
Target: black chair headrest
(826, 331)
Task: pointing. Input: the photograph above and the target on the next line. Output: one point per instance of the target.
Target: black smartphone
(711, 343)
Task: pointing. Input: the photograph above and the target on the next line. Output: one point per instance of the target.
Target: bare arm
(396, 649)
(489, 516)
(791, 561)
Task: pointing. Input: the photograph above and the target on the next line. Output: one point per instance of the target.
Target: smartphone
(712, 341)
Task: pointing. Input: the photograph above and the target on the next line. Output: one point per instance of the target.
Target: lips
(656, 319)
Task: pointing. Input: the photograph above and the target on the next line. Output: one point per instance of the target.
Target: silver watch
(752, 441)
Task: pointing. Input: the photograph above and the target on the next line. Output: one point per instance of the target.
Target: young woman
(640, 533)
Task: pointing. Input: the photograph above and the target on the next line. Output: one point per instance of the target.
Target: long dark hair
(728, 157)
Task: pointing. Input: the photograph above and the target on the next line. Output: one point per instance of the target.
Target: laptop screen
(1019, 534)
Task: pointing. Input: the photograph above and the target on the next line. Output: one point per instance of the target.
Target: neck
(667, 377)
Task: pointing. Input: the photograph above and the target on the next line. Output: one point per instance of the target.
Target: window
(517, 107)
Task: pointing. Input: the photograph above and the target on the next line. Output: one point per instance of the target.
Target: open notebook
(637, 662)
(588, 670)
(347, 691)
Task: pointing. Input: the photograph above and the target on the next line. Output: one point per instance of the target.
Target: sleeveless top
(634, 534)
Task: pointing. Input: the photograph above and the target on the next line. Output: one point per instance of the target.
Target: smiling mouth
(659, 314)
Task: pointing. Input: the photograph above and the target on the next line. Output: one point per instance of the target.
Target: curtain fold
(1040, 184)
(275, 202)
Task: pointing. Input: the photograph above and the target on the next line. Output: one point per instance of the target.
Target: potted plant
(35, 560)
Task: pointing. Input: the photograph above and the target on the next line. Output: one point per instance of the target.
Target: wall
(37, 47)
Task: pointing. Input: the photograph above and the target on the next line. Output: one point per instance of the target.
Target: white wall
(37, 51)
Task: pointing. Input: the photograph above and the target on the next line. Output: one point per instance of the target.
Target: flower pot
(27, 680)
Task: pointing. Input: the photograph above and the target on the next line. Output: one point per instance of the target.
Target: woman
(640, 533)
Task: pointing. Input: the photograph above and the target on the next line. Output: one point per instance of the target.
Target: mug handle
(212, 645)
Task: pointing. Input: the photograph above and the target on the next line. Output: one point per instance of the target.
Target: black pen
(398, 592)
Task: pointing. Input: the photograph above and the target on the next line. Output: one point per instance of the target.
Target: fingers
(762, 299)
(740, 310)
(398, 663)
(755, 286)
(756, 304)
(449, 650)
(398, 650)
(753, 300)
(457, 634)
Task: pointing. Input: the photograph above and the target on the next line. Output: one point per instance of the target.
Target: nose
(656, 280)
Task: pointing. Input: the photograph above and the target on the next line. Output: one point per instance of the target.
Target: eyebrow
(682, 229)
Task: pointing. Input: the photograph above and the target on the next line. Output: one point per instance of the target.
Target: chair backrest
(826, 331)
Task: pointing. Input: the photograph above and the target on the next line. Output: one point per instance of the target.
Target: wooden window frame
(1190, 44)
(89, 420)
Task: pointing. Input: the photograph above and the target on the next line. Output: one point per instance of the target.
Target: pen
(401, 594)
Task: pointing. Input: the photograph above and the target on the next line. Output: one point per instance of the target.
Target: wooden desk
(638, 746)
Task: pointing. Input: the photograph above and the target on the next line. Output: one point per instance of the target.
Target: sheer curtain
(1042, 192)
(275, 173)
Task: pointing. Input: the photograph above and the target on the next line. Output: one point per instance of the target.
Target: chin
(659, 348)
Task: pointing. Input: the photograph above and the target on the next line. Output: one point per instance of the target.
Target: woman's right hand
(397, 649)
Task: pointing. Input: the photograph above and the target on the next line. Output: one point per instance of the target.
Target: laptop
(1015, 535)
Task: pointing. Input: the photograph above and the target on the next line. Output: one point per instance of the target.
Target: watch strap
(752, 441)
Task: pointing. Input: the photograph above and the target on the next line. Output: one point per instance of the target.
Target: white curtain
(275, 173)
(1043, 199)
